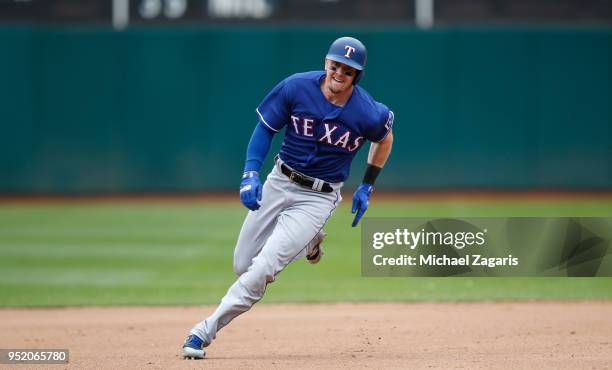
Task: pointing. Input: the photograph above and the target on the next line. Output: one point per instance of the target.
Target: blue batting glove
(360, 201)
(250, 190)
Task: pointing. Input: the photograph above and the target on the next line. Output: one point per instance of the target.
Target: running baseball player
(327, 118)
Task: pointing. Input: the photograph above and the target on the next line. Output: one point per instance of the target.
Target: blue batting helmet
(350, 51)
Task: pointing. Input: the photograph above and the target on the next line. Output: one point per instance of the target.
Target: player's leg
(297, 226)
(255, 230)
(313, 252)
(258, 225)
(315, 249)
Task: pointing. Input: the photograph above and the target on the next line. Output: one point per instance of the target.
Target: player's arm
(379, 152)
(257, 150)
(377, 157)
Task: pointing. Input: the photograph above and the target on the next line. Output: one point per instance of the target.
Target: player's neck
(338, 99)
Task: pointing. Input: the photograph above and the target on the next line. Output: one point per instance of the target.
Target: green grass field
(179, 253)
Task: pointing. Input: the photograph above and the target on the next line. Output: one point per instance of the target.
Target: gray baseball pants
(287, 225)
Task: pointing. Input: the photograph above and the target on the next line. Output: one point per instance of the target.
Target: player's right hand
(250, 190)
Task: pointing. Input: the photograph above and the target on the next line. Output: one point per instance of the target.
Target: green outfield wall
(87, 109)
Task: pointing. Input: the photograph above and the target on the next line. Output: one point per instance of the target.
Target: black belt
(307, 181)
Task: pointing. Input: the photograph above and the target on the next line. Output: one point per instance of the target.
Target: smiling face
(339, 77)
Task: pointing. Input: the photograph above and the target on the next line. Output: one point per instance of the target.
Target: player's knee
(241, 265)
(262, 271)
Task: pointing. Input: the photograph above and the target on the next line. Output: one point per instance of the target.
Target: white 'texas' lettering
(356, 143)
(340, 138)
(295, 121)
(343, 140)
(308, 126)
(328, 132)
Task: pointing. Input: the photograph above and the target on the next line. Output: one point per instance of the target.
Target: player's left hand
(250, 190)
(361, 199)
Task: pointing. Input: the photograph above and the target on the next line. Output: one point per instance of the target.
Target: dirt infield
(378, 335)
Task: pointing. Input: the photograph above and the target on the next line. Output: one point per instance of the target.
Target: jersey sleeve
(275, 108)
(383, 126)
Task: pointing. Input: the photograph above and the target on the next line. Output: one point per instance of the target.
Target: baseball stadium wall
(87, 109)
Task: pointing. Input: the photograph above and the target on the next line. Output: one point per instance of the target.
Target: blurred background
(118, 96)
(101, 97)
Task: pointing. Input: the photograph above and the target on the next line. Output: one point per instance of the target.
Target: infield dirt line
(544, 335)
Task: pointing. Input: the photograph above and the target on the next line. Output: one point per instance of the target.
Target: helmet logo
(349, 51)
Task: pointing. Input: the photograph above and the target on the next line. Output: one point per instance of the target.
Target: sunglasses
(335, 68)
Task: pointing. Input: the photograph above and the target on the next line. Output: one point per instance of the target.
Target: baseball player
(327, 118)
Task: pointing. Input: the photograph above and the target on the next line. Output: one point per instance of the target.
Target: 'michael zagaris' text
(421, 238)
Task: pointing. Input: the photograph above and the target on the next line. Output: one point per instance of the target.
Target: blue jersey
(321, 139)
